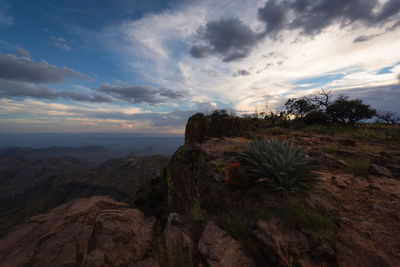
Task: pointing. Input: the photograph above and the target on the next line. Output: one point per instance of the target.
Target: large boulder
(96, 231)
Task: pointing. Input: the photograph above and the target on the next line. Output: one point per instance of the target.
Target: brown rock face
(96, 231)
(219, 249)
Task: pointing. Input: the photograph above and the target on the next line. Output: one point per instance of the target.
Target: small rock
(323, 251)
(394, 168)
(325, 139)
(347, 142)
(379, 170)
(340, 181)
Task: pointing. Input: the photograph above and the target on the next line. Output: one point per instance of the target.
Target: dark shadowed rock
(219, 249)
(179, 244)
(347, 142)
(379, 170)
(281, 246)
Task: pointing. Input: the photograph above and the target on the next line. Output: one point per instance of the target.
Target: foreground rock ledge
(96, 231)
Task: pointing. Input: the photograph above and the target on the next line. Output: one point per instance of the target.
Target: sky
(129, 66)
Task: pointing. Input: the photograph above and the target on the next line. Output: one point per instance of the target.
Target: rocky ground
(350, 218)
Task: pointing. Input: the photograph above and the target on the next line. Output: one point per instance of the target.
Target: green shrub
(299, 215)
(333, 148)
(278, 164)
(358, 166)
(316, 117)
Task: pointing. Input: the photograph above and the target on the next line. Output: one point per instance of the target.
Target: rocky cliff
(350, 218)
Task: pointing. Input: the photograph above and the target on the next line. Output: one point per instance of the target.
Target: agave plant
(279, 164)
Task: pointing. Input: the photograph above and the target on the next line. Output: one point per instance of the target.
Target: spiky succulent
(278, 164)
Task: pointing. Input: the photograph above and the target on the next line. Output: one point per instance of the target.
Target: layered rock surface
(96, 231)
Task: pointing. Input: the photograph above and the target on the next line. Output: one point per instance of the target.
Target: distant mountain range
(116, 144)
(89, 153)
(34, 180)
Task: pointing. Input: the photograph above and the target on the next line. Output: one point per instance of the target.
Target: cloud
(26, 70)
(63, 46)
(241, 73)
(22, 52)
(364, 38)
(232, 39)
(60, 43)
(5, 18)
(379, 97)
(24, 89)
(95, 98)
(273, 14)
(141, 94)
(205, 107)
(13, 89)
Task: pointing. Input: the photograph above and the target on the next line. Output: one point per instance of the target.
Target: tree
(348, 111)
(220, 113)
(300, 107)
(321, 98)
(388, 117)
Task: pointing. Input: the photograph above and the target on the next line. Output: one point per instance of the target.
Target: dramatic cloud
(241, 73)
(273, 14)
(5, 18)
(12, 89)
(22, 52)
(141, 94)
(26, 70)
(232, 39)
(24, 89)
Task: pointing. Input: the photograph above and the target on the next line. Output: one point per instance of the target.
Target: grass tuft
(358, 166)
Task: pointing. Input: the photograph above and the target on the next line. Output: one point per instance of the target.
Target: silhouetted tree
(321, 99)
(300, 107)
(348, 111)
(388, 117)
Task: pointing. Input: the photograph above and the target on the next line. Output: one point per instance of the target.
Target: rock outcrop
(96, 231)
(201, 128)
